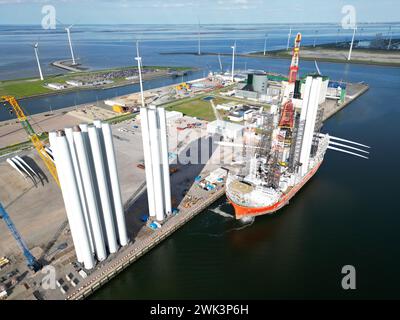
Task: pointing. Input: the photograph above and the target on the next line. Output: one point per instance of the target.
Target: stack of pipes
(155, 147)
(86, 165)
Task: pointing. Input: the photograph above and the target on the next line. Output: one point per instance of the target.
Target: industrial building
(173, 115)
(255, 86)
(228, 130)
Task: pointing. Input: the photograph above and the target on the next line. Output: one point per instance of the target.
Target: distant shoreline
(326, 54)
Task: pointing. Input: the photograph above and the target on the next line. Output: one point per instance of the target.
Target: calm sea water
(346, 215)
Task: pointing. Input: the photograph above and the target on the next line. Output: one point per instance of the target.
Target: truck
(172, 170)
(3, 295)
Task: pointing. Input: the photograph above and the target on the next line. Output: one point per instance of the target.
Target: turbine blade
(346, 146)
(349, 152)
(349, 141)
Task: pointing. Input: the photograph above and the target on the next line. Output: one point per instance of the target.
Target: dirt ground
(11, 132)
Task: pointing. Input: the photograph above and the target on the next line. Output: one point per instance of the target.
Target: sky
(190, 11)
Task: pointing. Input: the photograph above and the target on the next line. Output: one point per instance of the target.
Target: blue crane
(33, 264)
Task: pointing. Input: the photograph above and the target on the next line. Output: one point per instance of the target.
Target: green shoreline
(31, 87)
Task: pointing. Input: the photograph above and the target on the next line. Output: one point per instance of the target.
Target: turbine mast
(288, 39)
(233, 61)
(352, 43)
(70, 44)
(35, 47)
(139, 61)
(199, 40)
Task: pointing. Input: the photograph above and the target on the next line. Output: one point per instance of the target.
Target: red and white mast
(294, 67)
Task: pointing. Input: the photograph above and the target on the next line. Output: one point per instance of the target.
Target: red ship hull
(242, 211)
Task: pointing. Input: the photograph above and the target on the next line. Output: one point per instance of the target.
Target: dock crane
(39, 146)
(33, 264)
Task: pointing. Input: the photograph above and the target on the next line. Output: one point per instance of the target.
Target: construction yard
(42, 223)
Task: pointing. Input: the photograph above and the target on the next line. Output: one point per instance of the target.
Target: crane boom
(31, 260)
(37, 143)
(294, 66)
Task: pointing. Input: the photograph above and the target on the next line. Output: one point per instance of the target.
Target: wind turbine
(337, 36)
(316, 67)
(70, 43)
(199, 41)
(220, 62)
(352, 43)
(35, 47)
(265, 44)
(233, 60)
(390, 37)
(139, 62)
(315, 38)
(288, 39)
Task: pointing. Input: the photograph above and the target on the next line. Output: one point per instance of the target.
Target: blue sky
(188, 11)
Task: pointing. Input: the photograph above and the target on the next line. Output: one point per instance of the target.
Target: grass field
(21, 88)
(196, 107)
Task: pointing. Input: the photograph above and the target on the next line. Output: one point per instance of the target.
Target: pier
(65, 65)
(354, 90)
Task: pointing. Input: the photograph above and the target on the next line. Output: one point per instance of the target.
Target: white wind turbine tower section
(36, 48)
(68, 29)
(233, 61)
(148, 166)
(352, 43)
(155, 147)
(72, 199)
(79, 180)
(308, 114)
(139, 61)
(165, 160)
(156, 163)
(101, 175)
(86, 163)
(90, 191)
(116, 191)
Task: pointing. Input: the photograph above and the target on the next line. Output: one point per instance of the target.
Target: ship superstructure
(287, 149)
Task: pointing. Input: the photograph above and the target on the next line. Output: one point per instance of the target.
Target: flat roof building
(227, 129)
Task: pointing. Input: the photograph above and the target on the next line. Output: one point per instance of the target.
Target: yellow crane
(37, 143)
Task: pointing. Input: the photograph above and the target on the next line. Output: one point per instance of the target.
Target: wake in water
(248, 219)
(218, 211)
(245, 222)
